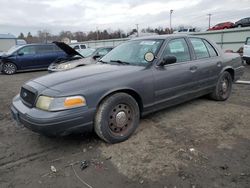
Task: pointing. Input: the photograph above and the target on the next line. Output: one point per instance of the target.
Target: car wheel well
(130, 92)
(231, 71)
(10, 62)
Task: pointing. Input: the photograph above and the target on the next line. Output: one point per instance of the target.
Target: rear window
(45, 49)
(200, 48)
(211, 50)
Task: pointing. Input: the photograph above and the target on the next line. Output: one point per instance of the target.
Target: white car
(246, 51)
(78, 47)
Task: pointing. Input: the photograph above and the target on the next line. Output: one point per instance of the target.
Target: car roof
(38, 44)
(164, 37)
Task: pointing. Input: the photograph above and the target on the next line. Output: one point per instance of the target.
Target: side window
(211, 49)
(179, 49)
(29, 50)
(200, 49)
(76, 47)
(83, 47)
(248, 41)
(45, 49)
(103, 52)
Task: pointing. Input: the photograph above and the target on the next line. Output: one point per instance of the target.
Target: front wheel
(117, 118)
(9, 68)
(223, 87)
(248, 62)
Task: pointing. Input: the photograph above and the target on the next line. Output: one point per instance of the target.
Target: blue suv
(31, 56)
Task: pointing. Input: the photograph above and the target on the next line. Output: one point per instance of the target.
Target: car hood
(77, 62)
(86, 76)
(67, 49)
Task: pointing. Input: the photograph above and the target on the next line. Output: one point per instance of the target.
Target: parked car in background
(220, 26)
(78, 47)
(138, 77)
(245, 22)
(246, 51)
(185, 31)
(77, 59)
(31, 56)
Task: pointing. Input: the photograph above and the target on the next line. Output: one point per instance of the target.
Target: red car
(224, 25)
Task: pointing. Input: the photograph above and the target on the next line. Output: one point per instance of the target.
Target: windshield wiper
(101, 61)
(120, 62)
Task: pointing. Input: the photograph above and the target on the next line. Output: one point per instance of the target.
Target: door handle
(193, 68)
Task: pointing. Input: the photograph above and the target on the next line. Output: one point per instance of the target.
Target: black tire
(117, 118)
(239, 26)
(223, 87)
(248, 62)
(9, 68)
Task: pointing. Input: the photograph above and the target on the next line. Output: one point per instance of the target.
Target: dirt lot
(201, 143)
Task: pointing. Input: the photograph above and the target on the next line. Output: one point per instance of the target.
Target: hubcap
(9, 68)
(224, 87)
(120, 119)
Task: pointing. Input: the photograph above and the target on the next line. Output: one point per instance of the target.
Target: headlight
(62, 103)
(65, 66)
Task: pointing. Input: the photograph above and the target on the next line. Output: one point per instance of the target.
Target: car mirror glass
(168, 60)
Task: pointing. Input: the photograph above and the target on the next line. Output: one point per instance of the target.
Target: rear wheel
(223, 87)
(248, 62)
(9, 68)
(117, 118)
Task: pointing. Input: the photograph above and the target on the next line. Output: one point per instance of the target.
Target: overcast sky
(84, 15)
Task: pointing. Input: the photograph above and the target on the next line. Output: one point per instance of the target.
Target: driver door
(27, 57)
(173, 82)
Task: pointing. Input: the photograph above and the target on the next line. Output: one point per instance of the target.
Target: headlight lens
(65, 66)
(62, 103)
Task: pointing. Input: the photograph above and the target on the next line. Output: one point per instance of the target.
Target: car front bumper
(59, 123)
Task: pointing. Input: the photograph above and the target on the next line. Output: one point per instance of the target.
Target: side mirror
(168, 60)
(97, 56)
(20, 53)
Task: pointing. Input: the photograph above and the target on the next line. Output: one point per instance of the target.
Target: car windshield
(13, 49)
(87, 52)
(133, 52)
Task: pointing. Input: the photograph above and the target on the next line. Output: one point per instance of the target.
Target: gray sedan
(136, 78)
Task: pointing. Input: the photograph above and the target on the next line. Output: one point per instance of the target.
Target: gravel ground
(201, 143)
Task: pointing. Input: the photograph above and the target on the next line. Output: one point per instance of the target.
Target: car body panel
(156, 86)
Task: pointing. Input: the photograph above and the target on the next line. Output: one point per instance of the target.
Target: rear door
(46, 54)
(246, 51)
(207, 63)
(27, 57)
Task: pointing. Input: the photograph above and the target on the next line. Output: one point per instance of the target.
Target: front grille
(28, 97)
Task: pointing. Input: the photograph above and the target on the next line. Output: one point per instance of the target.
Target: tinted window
(56, 48)
(248, 41)
(179, 49)
(76, 48)
(199, 48)
(28, 50)
(211, 50)
(45, 49)
(83, 47)
(103, 52)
